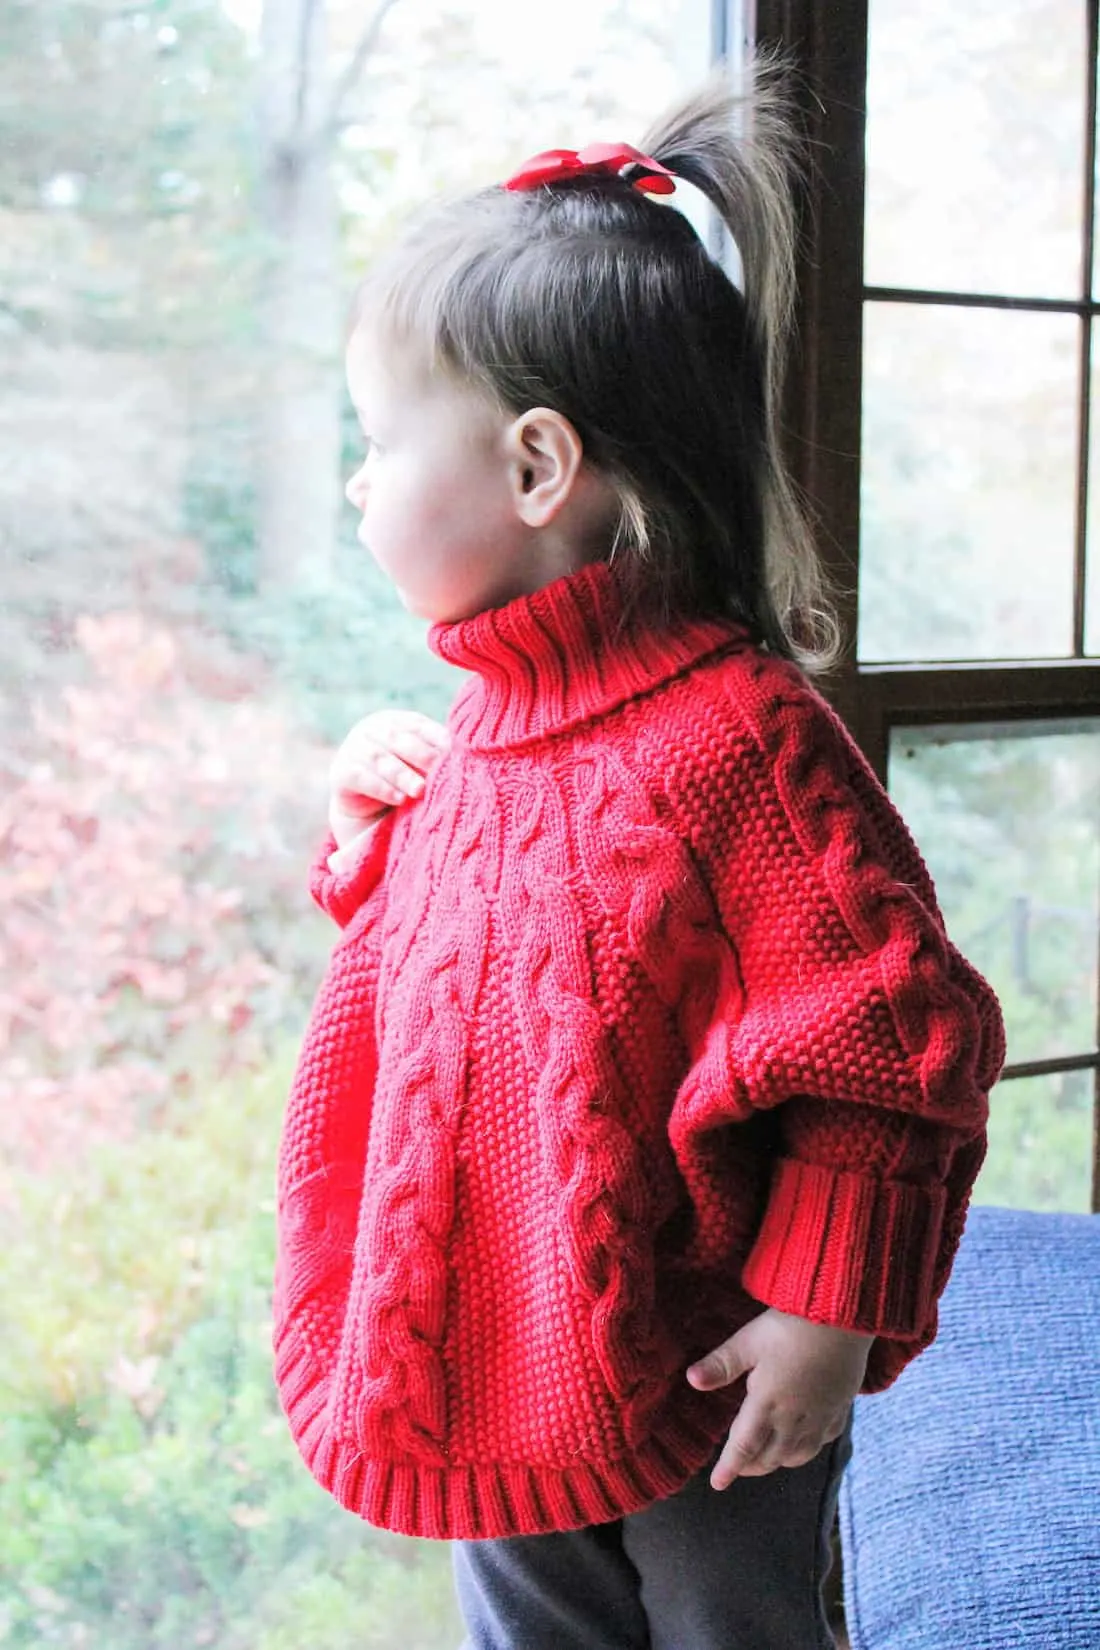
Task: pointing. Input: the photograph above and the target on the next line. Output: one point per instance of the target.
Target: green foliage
(158, 62)
(348, 647)
(904, 594)
(343, 646)
(125, 147)
(137, 1239)
(219, 504)
(1040, 1144)
(338, 644)
(149, 1491)
(378, 1597)
(1007, 817)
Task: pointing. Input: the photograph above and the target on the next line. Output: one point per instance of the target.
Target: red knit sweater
(643, 1015)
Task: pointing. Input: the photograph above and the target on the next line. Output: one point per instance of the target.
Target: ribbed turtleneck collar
(568, 652)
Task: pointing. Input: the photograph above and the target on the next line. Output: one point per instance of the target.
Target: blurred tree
(162, 190)
(301, 104)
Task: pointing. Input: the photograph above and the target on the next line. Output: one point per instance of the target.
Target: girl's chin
(413, 605)
(419, 608)
(438, 611)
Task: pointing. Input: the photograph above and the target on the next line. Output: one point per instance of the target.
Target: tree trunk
(298, 468)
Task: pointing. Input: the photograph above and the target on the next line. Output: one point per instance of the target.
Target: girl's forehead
(390, 376)
(372, 368)
(383, 368)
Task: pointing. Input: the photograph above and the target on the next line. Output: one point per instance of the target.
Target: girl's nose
(356, 490)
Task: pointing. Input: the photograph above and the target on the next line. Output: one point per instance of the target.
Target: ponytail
(740, 147)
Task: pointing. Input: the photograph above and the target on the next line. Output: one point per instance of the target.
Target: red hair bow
(555, 164)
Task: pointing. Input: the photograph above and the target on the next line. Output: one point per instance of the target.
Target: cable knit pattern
(642, 1016)
(603, 1206)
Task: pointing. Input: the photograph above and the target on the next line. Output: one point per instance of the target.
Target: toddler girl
(634, 1128)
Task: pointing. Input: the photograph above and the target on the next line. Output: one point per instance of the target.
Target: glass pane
(563, 99)
(1040, 1143)
(1092, 565)
(969, 483)
(1008, 819)
(975, 142)
(187, 626)
(1096, 205)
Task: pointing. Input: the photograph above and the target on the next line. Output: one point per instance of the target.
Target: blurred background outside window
(979, 511)
(188, 189)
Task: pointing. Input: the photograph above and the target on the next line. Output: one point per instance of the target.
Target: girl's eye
(373, 449)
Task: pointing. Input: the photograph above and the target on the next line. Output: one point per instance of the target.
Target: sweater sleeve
(340, 894)
(855, 1023)
(326, 1126)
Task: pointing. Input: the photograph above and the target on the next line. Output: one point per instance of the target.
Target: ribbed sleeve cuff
(847, 1250)
(341, 893)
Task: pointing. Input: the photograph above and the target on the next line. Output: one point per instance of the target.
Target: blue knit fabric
(970, 1513)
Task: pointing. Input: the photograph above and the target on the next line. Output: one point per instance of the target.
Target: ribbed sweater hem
(488, 1500)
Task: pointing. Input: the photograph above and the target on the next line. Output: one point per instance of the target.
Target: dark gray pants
(737, 1570)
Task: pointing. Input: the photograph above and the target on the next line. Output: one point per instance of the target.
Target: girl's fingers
(404, 751)
(349, 815)
(792, 1449)
(419, 752)
(726, 1364)
(365, 797)
(433, 733)
(384, 768)
(749, 1440)
(801, 1454)
(383, 763)
(393, 729)
(376, 774)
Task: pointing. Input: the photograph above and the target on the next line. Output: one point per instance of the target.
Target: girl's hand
(383, 762)
(801, 1379)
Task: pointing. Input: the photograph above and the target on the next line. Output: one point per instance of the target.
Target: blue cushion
(970, 1512)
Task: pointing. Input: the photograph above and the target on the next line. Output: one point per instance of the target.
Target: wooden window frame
(824, 408)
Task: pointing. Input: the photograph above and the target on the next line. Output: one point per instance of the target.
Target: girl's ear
(545, 455)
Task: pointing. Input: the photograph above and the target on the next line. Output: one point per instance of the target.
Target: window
(942, 427)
